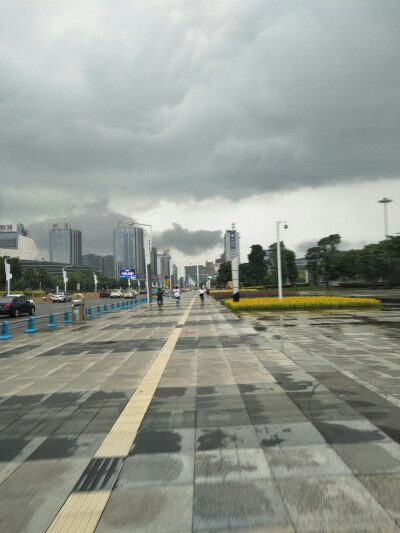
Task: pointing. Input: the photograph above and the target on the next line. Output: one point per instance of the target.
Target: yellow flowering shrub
(299, 303)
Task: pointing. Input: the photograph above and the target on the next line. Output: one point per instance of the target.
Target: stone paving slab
(257, 423)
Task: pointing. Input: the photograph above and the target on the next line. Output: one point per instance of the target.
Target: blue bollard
(136, 302)
(131, 303)
(89, 312)
(52, 322)
(4, 331)
(105, 309)
(112, 307)
(31, 326)
(123, 305)
(98, 312)
(118, 307)
(66, 320)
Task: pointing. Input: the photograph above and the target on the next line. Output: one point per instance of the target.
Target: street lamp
(278, 256)
(65, 278)
(385, 201)
(147, 258)
(95, 279)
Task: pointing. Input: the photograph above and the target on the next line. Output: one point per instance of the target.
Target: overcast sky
(190, 115)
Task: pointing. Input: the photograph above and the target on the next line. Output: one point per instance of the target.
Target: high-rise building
(16, 242)
(231, 244)
(65, 245)
(153, 261)
(108, 266)
(128, 250)
(93, 261)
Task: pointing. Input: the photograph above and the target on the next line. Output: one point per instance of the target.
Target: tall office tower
(165, 264)
(108, 266)
(153, 261)
(65, 245)
(128, 250)
(231, 244)
(93, 261)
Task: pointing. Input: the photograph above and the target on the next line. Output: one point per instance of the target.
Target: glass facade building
(128, 250)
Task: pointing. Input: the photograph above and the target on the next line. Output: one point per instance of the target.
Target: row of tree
(41, 279)
(373, 264)
(262, 269)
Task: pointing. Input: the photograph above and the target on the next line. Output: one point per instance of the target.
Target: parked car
(60, 297)
(130, 294)
(116, 294)
(104, 294)
(29, 299)
(16, 305)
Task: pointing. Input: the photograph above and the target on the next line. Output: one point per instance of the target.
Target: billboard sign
(127, 273)
(232, 239)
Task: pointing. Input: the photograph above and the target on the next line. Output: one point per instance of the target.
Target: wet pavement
(193, 419)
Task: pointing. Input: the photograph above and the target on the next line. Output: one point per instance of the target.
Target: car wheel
(16, 313)
(32, 311)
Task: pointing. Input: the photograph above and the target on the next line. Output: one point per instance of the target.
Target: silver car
(60, 297)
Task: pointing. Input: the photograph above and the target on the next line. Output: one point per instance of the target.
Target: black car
(16, 305)
(104, 294)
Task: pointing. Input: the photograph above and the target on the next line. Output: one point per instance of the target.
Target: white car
(116, 294)
(60, 297)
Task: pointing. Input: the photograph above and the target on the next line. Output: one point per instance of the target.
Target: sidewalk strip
(82, 510)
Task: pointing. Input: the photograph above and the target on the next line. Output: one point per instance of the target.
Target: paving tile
(326, 504)
(245, 504)
(231, 465)
(157, 469)
(226, 437)
(304, 461)
(290, 434)
(371, 457)
(386, 490)
(350, 431)
(148, 510)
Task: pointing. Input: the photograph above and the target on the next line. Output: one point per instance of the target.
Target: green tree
(348, 264)
(329, 257)
(288, 264)
(313, 265)
(291, 267)
(225, 273)
(15, 269)
(30, 277)
(257, 269)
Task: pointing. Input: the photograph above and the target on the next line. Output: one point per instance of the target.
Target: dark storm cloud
(94, 219)
(188, 242)
(197, 99)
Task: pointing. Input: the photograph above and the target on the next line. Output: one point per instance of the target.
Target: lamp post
(7, 269)
(95, 279)
(385, 201)
(65, 279)
(147, 259)
(278, 256)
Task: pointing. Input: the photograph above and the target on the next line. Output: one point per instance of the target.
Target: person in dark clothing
(160, 300)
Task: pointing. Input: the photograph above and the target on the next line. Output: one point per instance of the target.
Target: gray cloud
(94, 219)
(188, 242)
(244, 99)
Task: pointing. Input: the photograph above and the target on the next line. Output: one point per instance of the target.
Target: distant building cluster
(131, 250)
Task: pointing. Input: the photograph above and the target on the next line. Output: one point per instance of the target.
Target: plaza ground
(194, 419)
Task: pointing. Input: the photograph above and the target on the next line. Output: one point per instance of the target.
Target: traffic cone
(31, 326)
(4, 331)
(52, 322)
(66, 320)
